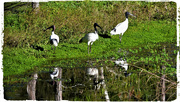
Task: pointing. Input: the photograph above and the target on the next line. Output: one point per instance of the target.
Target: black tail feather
(80, 41)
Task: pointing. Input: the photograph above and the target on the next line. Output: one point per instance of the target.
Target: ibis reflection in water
(54, 39)
(55, 73)
(93, 72)
(91, 37)
(124, 64)
(121, 27)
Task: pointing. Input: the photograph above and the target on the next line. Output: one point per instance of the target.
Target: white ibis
(55, 73)
(91, 37)
(124, 64)
(93, 72)
(54, 39)
(121, 27)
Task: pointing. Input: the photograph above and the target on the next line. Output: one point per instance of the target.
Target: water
(44, 87)
(78, 86)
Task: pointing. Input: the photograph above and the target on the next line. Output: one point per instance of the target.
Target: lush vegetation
(148, 44)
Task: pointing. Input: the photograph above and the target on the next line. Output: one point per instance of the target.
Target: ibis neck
(95, 30)
(126, 16)
(52, 32)
(126, 19)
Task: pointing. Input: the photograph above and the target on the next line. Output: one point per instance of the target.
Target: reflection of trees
(45, 89)
(77, 85)
(59, 86)
(31, 87)
(35, 6)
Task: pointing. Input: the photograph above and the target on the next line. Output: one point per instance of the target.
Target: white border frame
(2, 35)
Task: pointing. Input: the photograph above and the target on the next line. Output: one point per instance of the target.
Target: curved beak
(98, 26)
(132, 15)
(53, 27)
(101, 29)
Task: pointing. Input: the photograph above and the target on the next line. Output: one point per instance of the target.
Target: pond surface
(18, 91)
(78, 86)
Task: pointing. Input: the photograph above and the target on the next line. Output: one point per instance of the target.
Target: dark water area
(45, 88)
(18, 90)
(15, 91)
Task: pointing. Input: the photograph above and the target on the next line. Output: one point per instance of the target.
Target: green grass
(136, 36)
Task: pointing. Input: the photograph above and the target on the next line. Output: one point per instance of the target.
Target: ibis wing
(115, 30)
(84, 39)
(54, 73)
(120, 28)
(118, 25)
(54, 36)
(89, 37)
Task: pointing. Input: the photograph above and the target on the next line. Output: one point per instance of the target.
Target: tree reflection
(31, 87)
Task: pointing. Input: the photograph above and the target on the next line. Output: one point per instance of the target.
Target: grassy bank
(147, 34)
(24, 29)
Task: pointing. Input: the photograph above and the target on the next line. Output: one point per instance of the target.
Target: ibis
(54, 39)
(55, 73)
(93, 72)
(91, 37)
(121, 27)
(124, 64)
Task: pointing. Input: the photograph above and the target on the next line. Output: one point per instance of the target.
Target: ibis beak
(99, 26)
(132, 15)
(53, 27)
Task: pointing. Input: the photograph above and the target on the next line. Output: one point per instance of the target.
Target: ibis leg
(90, 48)
(54, 49)
(120, 37)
